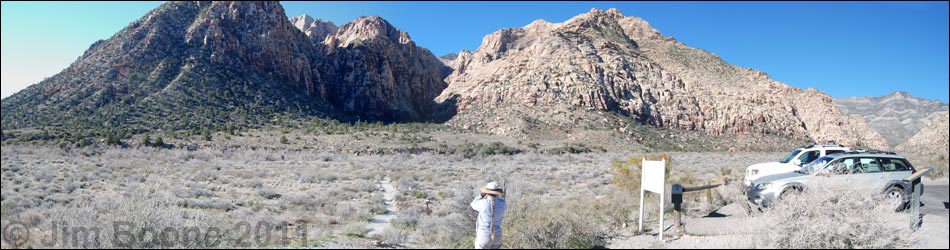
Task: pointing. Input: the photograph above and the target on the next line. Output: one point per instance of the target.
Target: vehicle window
(791, 156)
(817, 164)
(866, 165)
(841, 166)
(890, 164)
(810, 156)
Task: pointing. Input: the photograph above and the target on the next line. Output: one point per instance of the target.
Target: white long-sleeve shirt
(482, 205)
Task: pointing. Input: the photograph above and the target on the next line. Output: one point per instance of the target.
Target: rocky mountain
(447, 59)
(932, 139)
(896, 116)
(182, 65)
(316, 29)
(187, 65)
(604, 61)
(191, 65)
(386, 76)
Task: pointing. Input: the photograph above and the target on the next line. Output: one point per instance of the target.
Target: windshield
(815, 165)
(791, 156)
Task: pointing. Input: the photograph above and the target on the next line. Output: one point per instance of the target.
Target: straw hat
(493, 188)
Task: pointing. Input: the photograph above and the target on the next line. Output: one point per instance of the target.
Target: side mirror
(824, 172)
(797, 162)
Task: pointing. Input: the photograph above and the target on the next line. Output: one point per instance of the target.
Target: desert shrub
(206, 203)
(356, 230)
(252, 183)
(206, 134)
(835, 215)
(318, 176)
(351, 212)
(268, 193)
(406, 184)
(626, 174)
(941, 167)
(552, 225)
(159, 142)
(394, 235)
(452, 222)
(143, 216)
(573, 148)
(471, 150)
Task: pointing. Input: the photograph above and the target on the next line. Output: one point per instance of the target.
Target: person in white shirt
(491, 208)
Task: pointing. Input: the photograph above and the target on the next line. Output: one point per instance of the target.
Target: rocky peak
(183, 65)
(448, 59)
(450, 56)
(387, 76)
(258, 36)
(367, 28)
(316, 29)
(640, 30)
(596, 19)
(598, 13)
(457, 63)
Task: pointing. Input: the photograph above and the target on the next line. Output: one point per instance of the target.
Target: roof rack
(870, 152)
(830, 143)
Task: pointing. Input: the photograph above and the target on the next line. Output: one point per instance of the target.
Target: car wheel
(894, 196)
(789, 191)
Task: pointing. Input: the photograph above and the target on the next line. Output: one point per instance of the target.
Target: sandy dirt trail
(382, 222)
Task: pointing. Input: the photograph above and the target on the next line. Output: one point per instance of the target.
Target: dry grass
(332, 193)
(834, 215)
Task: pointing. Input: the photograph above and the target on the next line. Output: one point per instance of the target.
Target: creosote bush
(572, 223)
(835, 215)
(626, 174)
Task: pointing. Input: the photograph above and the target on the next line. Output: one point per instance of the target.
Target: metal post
(661, 217)
(678, 216)
(916, 189)
(916, 220)
(640, 228)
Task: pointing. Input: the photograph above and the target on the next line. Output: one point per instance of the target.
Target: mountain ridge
(202, 65)
(896, 116)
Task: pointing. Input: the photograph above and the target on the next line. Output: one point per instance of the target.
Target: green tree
(159, 142)
(147, 140)
(206, 134)
(84, 142)
(113, 139)
(283, 140)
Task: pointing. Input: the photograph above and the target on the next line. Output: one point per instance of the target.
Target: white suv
(793, 161)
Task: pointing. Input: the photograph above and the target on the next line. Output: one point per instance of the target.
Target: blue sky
(842, 48)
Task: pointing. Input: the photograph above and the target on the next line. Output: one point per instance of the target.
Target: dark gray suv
(880, 172)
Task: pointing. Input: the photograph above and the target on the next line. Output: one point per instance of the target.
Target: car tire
(789, 191)
(895, 194)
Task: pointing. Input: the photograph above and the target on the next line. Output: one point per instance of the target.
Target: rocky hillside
(932, 139)
(384, 75)
(896, 116)
(182, 65)
(604, 61)
(188, 65)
